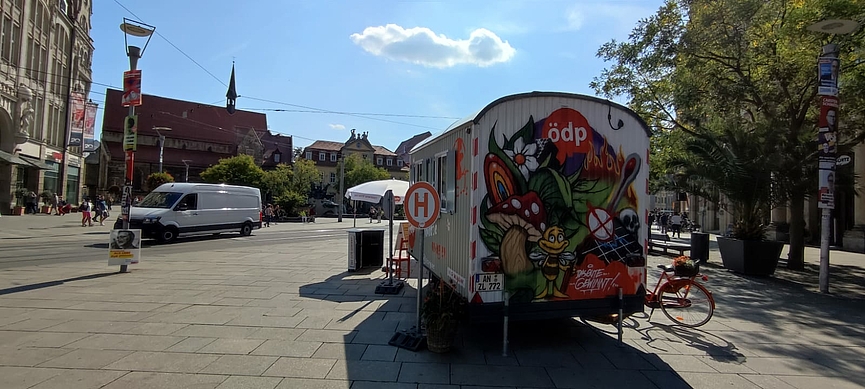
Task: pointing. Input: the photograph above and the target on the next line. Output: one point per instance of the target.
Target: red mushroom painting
(561, 224)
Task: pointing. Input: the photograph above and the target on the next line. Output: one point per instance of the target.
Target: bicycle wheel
(686, 303)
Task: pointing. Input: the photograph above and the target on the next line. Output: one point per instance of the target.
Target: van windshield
(159, 200)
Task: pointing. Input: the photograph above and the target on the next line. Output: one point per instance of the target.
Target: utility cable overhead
(351, 113)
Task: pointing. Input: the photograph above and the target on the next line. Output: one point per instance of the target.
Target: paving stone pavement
(288, 315)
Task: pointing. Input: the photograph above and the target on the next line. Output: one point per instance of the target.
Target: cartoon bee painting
(553, 261)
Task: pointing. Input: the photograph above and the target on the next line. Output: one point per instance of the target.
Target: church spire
(232, 93)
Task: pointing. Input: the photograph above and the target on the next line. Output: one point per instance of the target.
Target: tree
(744, 63)
(239, 170)
(289, 186)
(154, 180)
(298, 153)
(359, 170)
(305, 175)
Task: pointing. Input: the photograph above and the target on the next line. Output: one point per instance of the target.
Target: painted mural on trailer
(560, 216)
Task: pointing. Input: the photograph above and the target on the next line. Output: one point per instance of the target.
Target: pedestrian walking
(664, 220)
(371, 213)
(86, 217)
(32, 203)
(676, 221)
(268, 215)
(100, 210)
(55, 203)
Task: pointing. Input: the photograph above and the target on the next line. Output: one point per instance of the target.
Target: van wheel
(168, 235)
(246, 230)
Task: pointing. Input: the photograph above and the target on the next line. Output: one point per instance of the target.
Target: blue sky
(446, 59)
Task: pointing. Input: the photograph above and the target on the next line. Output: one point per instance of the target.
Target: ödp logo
(570, 131)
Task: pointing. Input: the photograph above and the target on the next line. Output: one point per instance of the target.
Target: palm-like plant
(732, 166)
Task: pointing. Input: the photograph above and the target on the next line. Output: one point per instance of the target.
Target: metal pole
(341, 183)
(390, 242)
(826, 160)
(161, 144)
(419, 279)
(67, 131)
(126, 207)
(824, 252)
(186, 176)
(621, 315)
(505, 325)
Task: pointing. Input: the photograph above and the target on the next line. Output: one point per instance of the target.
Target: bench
(661, 243)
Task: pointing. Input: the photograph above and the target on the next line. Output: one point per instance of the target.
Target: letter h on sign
(422, 204)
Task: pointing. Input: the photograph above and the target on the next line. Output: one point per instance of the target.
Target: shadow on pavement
(25, 288)
(551, 353)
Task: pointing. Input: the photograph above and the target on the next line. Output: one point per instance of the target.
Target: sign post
(829, 66)
(389, 286)
(422, 209)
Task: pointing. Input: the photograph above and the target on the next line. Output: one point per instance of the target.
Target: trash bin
(699, 246)
(372, 250)
(365, 248)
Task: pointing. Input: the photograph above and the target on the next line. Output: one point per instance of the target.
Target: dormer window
(277, 157)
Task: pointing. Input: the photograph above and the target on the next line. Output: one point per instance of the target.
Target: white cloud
(420, 45)
(615, 16)
(337, 126)
(576, 18)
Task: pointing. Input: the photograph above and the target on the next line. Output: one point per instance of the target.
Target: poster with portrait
(826, 194)
(828, 120)
(827, 144)
(131, 88)
(76, 138)
(124, 247)
(828, 69)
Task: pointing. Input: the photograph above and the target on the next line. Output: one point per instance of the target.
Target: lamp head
(835, 26)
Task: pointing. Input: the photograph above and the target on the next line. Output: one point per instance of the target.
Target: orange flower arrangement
(682, 260)
(684, 266)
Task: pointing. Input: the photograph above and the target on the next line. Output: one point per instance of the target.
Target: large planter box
(750, 257)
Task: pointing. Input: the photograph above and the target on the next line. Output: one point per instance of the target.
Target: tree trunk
(796, 257)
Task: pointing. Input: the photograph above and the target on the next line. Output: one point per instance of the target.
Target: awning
(36, 162)
(13, 159)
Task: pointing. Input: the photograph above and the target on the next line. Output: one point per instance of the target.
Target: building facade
(326, 155)
(196, 136)
(45, 54)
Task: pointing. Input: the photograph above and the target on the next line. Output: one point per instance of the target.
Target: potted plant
(21, 195)
(441, 312)
(47, 200)
(732, 166)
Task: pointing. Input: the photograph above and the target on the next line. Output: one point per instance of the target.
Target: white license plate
(488, 282)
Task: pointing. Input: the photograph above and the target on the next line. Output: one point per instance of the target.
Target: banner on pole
(124, 247)
(90, 126)
(130, 133)
(131, 88)
(828, 77)
(76, 138)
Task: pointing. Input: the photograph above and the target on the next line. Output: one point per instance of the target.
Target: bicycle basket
(688, 270)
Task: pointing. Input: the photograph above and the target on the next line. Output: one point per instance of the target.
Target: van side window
(190, 200)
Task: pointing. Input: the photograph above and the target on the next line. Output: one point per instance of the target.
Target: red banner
(132, 88)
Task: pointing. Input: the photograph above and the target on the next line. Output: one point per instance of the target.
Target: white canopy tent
(373, 191)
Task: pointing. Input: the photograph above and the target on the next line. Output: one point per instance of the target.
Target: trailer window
(441, 179)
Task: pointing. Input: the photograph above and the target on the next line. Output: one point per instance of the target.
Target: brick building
(200, 136)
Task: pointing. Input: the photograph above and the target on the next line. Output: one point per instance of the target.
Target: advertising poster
(828, 69)
(89, 126)
(827, 144)
(77, 126)
(124, 247)
(828, 120)
(131, 88)
(130, 133)
(826, 194)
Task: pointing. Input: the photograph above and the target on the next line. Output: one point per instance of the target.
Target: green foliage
(291, 202)
(290, 185)
(154, 180)
(47, 196)
(20, 195)
(305, 175)
(359, 170)
(239, 170)
(442, 306)
(731, 73)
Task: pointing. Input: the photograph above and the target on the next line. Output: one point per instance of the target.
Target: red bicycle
(682, 299)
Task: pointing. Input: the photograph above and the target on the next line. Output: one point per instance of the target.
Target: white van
(187, 208)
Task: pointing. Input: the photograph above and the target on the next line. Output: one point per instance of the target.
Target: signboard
(131, 88)
(422, 205)
(89, 126)
(352, 250)
(489, 282)
(828, 77)
(124, 247)
(826, 194)
(130, 133)
(388, 204)
(126, 202)
(76, 139)
(842, 160)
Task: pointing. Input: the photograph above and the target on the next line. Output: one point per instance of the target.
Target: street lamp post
(828, 72)
(161, 142)
(140, 30)
(341, 186)
(186, 176)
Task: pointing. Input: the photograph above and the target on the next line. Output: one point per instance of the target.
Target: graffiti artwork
(560, 217)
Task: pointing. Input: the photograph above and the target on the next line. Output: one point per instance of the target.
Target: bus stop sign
(422, 205)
